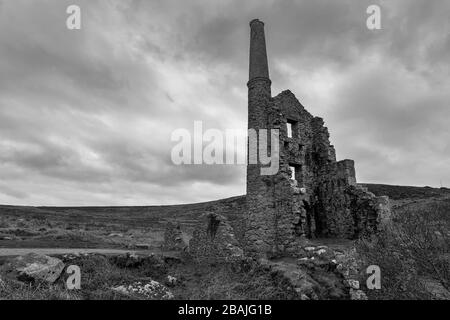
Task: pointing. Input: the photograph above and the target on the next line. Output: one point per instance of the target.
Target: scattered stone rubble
(151, 289)
(321, 273)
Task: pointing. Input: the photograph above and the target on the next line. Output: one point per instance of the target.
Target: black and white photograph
(246, 152)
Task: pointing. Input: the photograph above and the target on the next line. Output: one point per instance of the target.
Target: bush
(413, 249)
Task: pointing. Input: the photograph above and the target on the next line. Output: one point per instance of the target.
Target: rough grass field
(413, 252)
(101, 227)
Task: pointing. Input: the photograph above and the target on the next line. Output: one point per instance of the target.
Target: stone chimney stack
(258, 56)
(259, 91)
(260, 103)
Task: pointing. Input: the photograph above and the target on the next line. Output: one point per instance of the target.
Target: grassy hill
(25, 226)
(405, 192)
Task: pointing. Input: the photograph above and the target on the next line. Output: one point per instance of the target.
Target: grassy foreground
(101, 273)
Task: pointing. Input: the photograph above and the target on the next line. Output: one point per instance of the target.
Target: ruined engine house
(312, 195)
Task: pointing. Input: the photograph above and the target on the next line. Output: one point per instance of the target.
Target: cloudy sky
(86, 115)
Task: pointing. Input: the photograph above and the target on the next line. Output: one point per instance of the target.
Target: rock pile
(320, 273)
(348, 265)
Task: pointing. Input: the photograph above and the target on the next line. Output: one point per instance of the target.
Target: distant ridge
(405, 192)
(395, 192)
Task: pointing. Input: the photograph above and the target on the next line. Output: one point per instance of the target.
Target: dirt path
(22, 251)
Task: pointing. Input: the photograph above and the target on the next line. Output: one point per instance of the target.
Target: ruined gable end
(312, 194)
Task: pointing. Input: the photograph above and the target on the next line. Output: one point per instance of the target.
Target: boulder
(35, 267)
(171, 281)
(351, 283)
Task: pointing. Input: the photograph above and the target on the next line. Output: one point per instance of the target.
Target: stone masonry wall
(322, 201)
(173, 237)
(214, 241)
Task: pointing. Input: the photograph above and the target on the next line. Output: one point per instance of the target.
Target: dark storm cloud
(86, 116)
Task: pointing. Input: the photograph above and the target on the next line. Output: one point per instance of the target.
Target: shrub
(412, 249)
